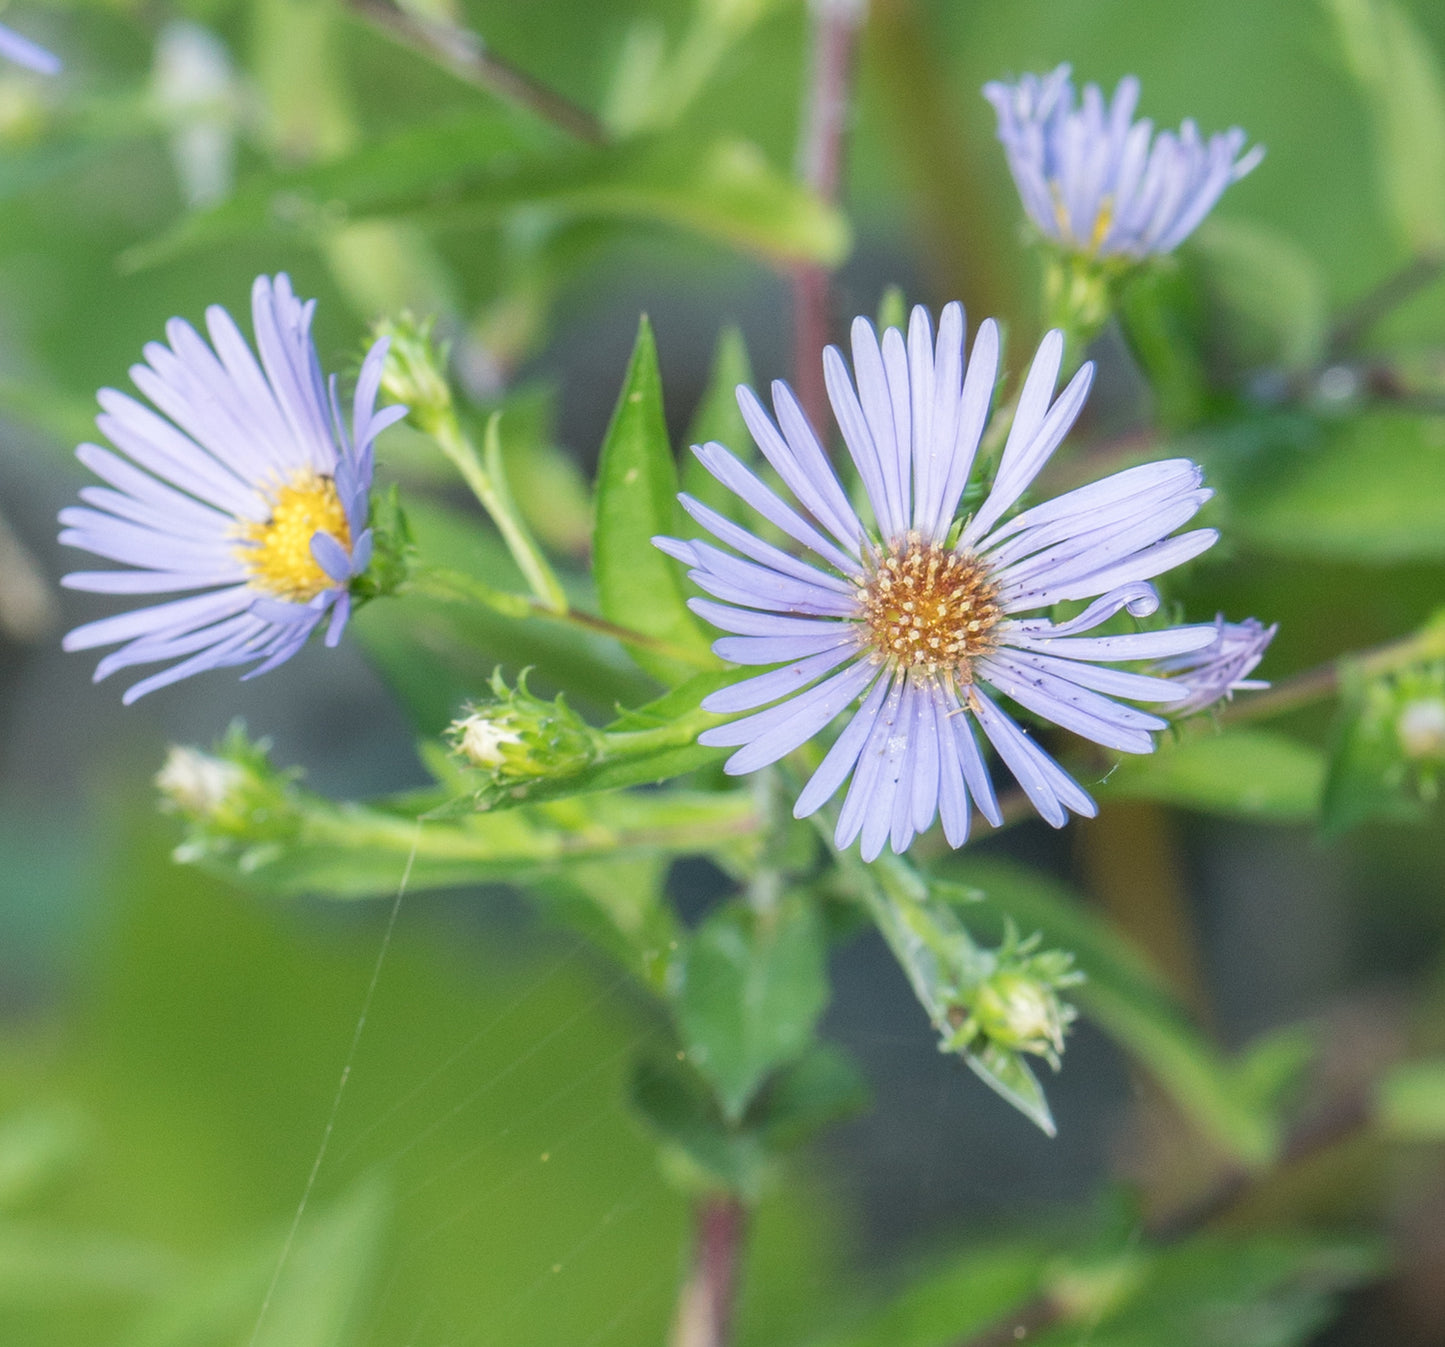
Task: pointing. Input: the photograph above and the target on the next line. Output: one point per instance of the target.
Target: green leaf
(818, 1089)
(1159, 314)
(637, 586)
(751, 988)
(618, 905)
(1251, 774)
(1009, 1075)
(703, 1150)
(1410, 1102)
(711, 1150)
(331, 1270)
(717, 418)
(1365, 489)
(477, 171)
(1268, 297)
(36, 1147)
(1127, 998)
(1214, 1289)
(328, 1274)
(1400, 78)
(950, 1304)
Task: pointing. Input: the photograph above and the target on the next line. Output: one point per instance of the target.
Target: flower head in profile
(24, 52)
(1097, 182)
(915, 624)
(244, 490)
(1215, 672)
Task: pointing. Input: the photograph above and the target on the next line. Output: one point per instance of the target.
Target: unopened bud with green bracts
(415, 372)
(518, 738)
(1420, 719)
(231, 796)
(1017, 1007)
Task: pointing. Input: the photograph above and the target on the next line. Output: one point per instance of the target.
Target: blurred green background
(170, 1047)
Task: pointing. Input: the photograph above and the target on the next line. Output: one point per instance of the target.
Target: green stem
(488, 484)
(1322, 682)
(441, 582)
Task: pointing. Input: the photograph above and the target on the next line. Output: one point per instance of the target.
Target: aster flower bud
(520, 738)
(415, 369)
(228, 796)
(1421, 728)
(1017, 1008)
(196, 784)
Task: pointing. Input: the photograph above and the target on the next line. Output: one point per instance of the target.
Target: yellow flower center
(929, 608)
(278, 551)
(1103, 221)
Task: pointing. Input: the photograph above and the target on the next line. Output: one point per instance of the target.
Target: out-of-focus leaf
(327, 1274)
(1160, 316)
(701, 1148)
(1268, 299)
(620, 907)
(1210, 1290)
(709, 1149)
(1367, 489)
(36, 1146)
(1401, 81)
(1410, 1104)
(820, 1088)
(950, 1304)
(473, 172)
(752, 985)
(1127, 998)
(51, 1265)
(553, 495)
(1253, 774)
(637, 586)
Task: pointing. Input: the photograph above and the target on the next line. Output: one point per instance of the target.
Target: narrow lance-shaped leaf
(1401, 80)
(637, 586)
(475, 172)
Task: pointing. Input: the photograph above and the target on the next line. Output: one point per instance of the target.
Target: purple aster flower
(247, 488)
(915, 625)
(1095, 181)
(1221, 668)
(24, 52)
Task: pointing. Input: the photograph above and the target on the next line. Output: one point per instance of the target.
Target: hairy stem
(1379, 303)
(442, 583)
(1322, 682)
(834, 29)
(465, 54)
(705, 1305)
